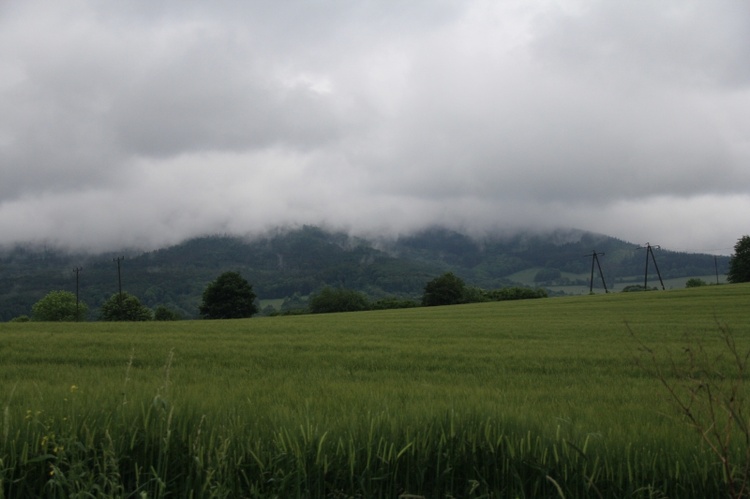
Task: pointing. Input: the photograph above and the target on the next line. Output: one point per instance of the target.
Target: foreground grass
(510, 399)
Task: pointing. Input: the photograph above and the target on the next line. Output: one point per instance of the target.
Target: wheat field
(559, 397)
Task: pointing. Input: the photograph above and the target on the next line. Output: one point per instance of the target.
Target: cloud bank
(134, 124)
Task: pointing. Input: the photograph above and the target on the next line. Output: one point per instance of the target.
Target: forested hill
(290, 264)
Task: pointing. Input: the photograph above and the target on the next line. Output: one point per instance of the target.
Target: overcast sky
(141, 123)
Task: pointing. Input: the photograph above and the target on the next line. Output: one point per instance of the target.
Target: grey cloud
(686, 42)
(554, 130)
(202, 104)
(544, 146)
(194, 117)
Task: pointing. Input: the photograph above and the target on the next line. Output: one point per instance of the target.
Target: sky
(142, 123)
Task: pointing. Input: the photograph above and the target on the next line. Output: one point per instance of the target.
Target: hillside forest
(286, 266)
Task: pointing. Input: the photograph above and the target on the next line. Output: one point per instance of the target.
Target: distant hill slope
(296, 262)
(494, 259)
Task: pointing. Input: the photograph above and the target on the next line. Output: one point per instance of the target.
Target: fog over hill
(287, 264)
(143, 124)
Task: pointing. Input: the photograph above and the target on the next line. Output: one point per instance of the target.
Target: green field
(535, 398)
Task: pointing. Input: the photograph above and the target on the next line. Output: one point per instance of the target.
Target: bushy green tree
(58, 306)
(125, 307)
(739, 263)
(337, 300)
(230, 296)
(448, 289)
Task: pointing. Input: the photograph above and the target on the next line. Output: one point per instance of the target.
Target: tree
(58, 306)
(125, 307)
(739, 263)
(448, 289)
(337, 300)
(230, 296)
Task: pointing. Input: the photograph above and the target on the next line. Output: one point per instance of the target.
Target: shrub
(393, 302)
(337, 300)
(475, 295)
(124, 307)
(162, 313)
(516, 293)
(695, 283)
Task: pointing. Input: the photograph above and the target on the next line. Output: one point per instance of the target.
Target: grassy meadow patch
(533, 398)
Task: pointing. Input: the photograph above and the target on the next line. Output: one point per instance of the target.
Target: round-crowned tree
(739, 264)
(124, 307)
(59, 306)
(448, 289)
(230, 296)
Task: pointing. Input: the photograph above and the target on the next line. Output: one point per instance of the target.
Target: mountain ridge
(290, 263)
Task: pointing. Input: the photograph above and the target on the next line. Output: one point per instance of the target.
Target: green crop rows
(537, 398)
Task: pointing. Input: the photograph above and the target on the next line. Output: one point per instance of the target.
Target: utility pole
(119, 281)
(77, 270)
(595, 259)
(650, 251)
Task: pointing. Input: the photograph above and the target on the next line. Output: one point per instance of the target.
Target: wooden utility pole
(77, 270)
(119, 281)
(650, 251)
(595, 259)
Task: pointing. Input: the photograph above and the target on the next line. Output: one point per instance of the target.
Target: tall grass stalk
(707, 385)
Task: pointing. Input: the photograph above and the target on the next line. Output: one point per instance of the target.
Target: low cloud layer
(132, 124)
